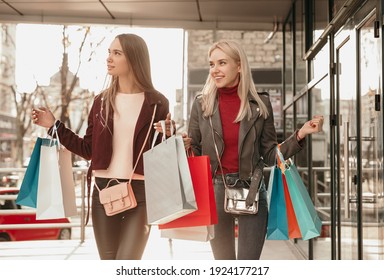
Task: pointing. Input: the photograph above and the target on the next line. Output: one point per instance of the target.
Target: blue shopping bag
(277, 228)
(306, 214)
(28, 190)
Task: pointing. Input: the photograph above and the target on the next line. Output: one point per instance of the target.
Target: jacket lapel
(217, 128)
(245, 124)
(216, 120)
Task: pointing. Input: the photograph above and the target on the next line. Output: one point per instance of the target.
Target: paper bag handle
(163, 138)
(281, 162)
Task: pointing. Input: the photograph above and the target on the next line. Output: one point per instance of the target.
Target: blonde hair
(246, 84)
(136, 53)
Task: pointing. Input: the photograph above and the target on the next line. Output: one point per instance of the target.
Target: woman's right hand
(168, 123)
(43, 116)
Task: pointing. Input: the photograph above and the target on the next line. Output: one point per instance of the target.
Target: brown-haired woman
(118, 123)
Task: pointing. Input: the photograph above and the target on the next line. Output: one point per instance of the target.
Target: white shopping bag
(168, 183)
(67, 182)
(56, 193)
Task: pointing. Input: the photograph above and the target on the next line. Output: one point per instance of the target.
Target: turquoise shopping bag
(28, 190)
(277, 228)
(306, 214)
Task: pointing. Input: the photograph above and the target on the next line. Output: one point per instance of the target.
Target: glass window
(320, 176)
(289, 122)
(301, 78)
(320, 63)
(288, 61)
(321, 187)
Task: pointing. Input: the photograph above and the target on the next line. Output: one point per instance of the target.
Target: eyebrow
(219, 60)
(115, 50)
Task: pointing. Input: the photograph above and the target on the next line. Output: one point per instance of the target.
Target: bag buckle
(110, 206)
(231, 179)
(122, 200)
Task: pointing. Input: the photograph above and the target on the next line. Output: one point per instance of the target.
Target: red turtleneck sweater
(229, 105)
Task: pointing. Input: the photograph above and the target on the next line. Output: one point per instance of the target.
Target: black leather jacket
(257, 139)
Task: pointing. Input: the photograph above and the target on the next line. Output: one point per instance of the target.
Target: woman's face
(223, 69)
(117, 64)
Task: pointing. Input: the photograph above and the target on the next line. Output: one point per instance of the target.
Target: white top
(128, 107)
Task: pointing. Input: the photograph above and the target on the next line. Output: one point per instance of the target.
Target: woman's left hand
(314, 125)
(168, 123)
(186, 140)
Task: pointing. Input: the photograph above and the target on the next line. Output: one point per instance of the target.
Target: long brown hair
(137, 55)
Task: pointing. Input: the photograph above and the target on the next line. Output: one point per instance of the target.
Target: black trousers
(251, 232)
(124, 235)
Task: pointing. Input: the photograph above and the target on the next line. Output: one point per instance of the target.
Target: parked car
(27, 218)
(9, 180)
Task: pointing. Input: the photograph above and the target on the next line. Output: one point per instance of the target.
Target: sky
(39, 54)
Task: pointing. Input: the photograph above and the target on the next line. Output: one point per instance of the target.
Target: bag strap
(217, 152)
(145, 141)
(281, 162)
(133, 170)
(190, 153)
(164, 137)
(54, 133)
(254, 187)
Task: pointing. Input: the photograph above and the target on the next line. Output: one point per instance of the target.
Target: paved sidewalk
(157, 249)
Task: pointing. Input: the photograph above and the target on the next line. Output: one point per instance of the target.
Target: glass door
(371, 141)
(346, 146)
(359, 146)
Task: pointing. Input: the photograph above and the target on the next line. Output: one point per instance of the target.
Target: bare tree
(22, 102)
(69, 83)
(70, 93)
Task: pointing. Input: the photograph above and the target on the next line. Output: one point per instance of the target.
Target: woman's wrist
(55, 125)
(299, 137)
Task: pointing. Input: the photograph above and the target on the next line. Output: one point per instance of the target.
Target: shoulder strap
(145, 141)
(217, 152)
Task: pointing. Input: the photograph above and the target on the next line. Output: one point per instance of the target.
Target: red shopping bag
(293, 226)
(206, 213)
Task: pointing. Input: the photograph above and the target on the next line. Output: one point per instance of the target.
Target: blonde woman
(245, 137)
(118, 122)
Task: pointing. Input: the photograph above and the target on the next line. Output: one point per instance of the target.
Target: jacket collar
(152, 98)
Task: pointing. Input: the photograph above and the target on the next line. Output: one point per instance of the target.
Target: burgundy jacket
(96, 145)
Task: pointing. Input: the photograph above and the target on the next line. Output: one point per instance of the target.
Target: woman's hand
(168, 123)
(43, 116)
(314, 125)
(187, 141)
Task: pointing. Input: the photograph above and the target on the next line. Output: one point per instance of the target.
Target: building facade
(7, 79)
(339, 44)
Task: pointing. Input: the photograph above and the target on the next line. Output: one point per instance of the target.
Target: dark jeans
(124, 235)
(252, 229)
